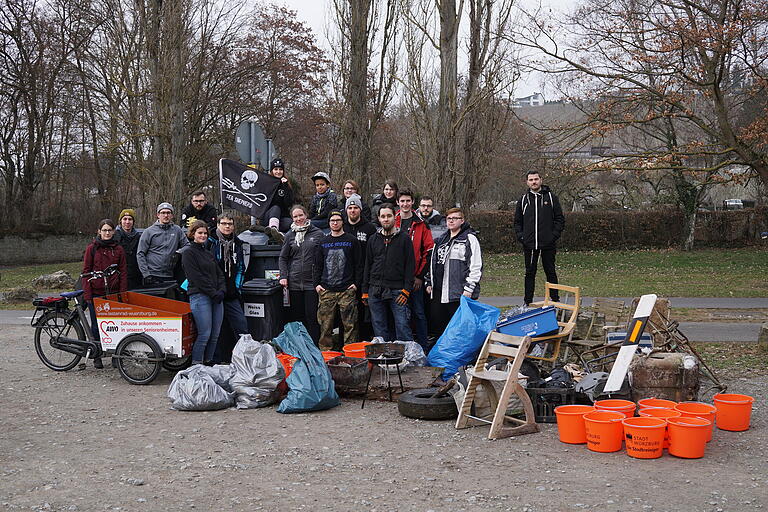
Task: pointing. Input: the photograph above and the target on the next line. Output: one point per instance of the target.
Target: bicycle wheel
(49, 328)
(138, 359)
(176, 364)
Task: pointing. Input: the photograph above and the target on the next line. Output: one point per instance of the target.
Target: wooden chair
(567, 310)
(614, 316)
(514, 349)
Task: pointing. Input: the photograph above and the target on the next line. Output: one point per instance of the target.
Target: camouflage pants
(346, 301)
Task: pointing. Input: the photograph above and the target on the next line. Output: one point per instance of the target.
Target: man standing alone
(539, 221)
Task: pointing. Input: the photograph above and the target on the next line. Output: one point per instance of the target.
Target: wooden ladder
(514, 349)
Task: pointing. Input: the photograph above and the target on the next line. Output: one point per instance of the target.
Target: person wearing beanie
(338, 272)
(157, 247)
(323, 202)
(127, 236)
(352, 189)
(277, 218)
(362, 229)
(199, 209)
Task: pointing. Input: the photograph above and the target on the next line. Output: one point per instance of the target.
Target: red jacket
(98, 256)
(421, 237)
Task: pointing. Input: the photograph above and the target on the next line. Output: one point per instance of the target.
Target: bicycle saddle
(72, 295)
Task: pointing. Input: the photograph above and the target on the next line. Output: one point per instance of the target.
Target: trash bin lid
(255, 238)
(261, 286)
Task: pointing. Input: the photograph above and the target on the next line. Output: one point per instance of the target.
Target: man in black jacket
(539, 221)
(388, 277)
(199, 209)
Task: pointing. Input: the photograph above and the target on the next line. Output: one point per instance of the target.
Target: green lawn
(12, 277)
(669, 273)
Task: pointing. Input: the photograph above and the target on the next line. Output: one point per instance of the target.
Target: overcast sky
(314, 14)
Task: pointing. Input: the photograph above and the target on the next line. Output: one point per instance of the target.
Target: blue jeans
(379, 308)
(208, 316)
(233, 312)
(418, 310)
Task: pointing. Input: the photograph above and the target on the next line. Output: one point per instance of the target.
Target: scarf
(105, 243)
(300, 232)
(227, 251)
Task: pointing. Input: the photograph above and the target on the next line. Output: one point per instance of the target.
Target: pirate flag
(245, 189)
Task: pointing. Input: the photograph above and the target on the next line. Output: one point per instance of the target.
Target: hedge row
(597, 230)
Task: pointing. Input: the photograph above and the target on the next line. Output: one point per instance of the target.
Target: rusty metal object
(671, 376)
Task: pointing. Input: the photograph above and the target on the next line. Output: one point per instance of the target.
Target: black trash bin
(264, 262)
(263, 306)
(168, 290)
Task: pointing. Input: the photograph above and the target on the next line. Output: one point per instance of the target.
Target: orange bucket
(656, 403)
(733, 411)
(604, 430)
(688, 436)
(698, 410)
(570, 423)
(644, 437)
(330, 354)
(625, 407)
(287, 361)
(661, 413)
(356, 349)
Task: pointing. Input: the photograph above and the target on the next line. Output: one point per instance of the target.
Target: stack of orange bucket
(683, 428)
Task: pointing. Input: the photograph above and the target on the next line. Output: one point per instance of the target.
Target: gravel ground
(87, 440)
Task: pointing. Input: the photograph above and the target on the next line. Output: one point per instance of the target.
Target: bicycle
(57, 323)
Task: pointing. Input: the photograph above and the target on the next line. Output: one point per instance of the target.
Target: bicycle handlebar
(100, 274)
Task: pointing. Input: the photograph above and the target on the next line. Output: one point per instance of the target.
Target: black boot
(98, 364)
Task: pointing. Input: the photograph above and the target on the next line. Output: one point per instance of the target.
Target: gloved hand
(218, 297)
(402, 298)
(364, 298)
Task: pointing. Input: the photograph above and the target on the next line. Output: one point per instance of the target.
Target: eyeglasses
(336, 220)
(165, 212)
(107, 230)
(454, 218)
(222, 223)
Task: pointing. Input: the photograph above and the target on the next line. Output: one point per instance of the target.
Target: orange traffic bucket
(661, 413)
(330, 354)
(688, 436)
(656, 403)
(625, 407)
(698, 410)
(570, 423)
(604, 430)
(356, 349)
(644, 437)
(733, 411)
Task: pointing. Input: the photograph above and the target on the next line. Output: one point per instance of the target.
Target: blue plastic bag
(312, 387)
(464, 336)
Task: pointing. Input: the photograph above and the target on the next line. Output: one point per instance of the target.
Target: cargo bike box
(145, 332)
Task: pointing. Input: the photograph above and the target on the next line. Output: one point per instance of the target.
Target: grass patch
(13, 277)
(668, 273)
(733, 359)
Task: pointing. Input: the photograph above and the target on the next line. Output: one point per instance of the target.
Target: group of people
(385, 269)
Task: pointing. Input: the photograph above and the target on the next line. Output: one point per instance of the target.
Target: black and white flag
(245, 189)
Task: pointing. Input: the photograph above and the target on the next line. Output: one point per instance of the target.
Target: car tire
(418, 404)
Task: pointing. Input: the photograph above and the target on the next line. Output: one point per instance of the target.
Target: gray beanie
(354, 199)
(164, 206)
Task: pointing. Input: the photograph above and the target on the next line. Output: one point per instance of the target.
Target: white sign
(253, 309)
(165, 331)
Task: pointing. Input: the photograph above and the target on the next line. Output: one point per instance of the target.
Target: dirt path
(90, 441)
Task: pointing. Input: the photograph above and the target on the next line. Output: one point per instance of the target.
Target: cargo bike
(141, 333)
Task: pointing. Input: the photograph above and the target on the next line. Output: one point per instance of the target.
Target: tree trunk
(445, 131)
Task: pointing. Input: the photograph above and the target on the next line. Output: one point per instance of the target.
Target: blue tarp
(310, 382)
(464, 337)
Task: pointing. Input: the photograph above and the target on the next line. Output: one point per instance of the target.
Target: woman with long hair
(388, 195)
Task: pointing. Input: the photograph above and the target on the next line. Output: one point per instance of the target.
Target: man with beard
(388, 277)
(198, 209)
(338, 273)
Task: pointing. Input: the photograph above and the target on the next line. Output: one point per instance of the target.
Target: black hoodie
(389, 262)
(208, 214)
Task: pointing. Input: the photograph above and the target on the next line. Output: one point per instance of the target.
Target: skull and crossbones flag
(245, 189)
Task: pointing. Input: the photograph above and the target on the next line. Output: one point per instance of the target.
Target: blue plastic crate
(535, 322)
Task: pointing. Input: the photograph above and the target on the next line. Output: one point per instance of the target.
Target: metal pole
(252, 143)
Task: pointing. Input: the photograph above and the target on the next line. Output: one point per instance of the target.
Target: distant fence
(600, 230)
